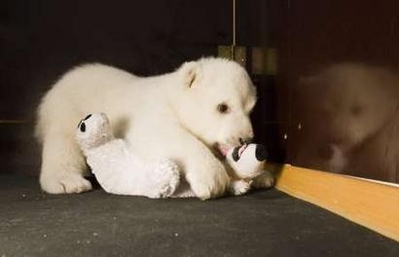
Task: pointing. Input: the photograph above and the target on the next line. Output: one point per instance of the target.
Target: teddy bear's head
(93, 131)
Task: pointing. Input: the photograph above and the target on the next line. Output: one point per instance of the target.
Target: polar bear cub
(183, 115)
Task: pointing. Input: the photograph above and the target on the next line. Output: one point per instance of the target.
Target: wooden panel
(368, 203)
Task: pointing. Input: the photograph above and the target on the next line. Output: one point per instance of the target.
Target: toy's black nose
(261, 153)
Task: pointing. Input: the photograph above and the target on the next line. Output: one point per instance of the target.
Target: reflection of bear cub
(350, 105)
(182, 115)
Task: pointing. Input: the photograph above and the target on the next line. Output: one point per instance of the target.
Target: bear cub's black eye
(223, 108)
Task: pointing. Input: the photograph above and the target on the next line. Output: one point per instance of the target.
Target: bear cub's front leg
(206, 175)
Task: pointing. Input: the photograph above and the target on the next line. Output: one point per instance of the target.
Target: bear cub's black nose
(261, 153)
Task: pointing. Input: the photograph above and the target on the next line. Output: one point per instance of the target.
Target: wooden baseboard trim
(368, 203)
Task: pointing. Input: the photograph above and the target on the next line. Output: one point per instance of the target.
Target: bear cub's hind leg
(63, 165)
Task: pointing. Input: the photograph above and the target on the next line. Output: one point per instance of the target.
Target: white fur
(173, 115)
(240, 187)
(119, 170)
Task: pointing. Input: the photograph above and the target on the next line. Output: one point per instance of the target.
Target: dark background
(41, 39)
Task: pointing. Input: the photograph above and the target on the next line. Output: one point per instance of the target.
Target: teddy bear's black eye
(223, 108)
(82, 127)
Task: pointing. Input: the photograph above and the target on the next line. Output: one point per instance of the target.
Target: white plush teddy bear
(117, 169)
(120, 171)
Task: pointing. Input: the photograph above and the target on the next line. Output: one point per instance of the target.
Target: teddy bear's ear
(190, 72)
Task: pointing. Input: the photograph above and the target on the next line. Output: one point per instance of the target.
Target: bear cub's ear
(190, 73)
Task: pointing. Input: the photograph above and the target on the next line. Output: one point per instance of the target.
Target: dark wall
(41, 39)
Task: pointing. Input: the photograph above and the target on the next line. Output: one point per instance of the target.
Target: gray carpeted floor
(264, 223)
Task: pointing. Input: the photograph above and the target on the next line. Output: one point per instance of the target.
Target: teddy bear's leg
(163, 179)
(265, 180)
(63, 165)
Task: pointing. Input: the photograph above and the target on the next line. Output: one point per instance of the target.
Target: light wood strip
(370, 204)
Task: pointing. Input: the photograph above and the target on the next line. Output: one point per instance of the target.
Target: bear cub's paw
(240, 187)
(65, 184)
